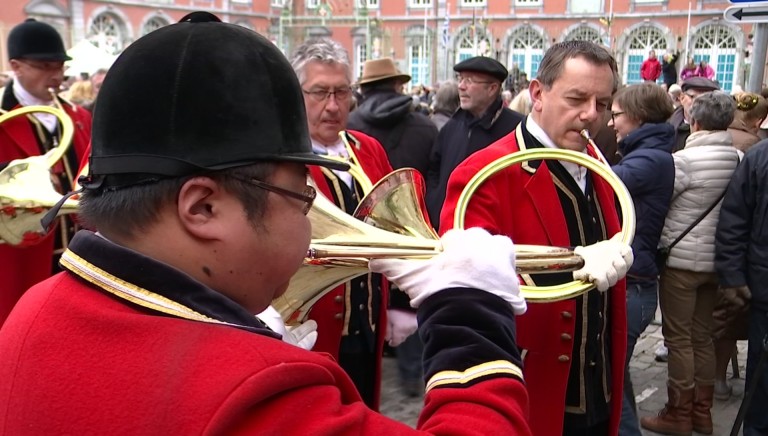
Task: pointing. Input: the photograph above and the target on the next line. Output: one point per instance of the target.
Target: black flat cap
(485, 65)
(699, 84)
(197, 96)
(36, 40)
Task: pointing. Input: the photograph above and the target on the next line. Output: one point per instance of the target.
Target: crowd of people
(151, 312)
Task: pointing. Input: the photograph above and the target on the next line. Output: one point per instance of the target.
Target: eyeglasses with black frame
(321, 95)
(308, 196)
(616, 114)
(470, 80)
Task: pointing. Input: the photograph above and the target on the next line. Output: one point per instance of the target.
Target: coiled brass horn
(574, 288)
(390, 222)
(26, 189)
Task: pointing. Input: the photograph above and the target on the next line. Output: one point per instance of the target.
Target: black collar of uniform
(137, 270)
(9, 98)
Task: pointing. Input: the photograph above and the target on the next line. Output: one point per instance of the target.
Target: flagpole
(424, 50)
(688, 34)
(474, 33)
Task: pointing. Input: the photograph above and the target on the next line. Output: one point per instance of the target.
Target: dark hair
(127, 210)
(645, 102)
(713, 110)
(552, 64)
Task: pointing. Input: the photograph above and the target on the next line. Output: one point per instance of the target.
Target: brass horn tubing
(574, 288)
(67, 128)
(525, 263)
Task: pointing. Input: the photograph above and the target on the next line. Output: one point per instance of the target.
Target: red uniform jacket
(329, 311)
(22, 267)
(522, 203)
(77, 360)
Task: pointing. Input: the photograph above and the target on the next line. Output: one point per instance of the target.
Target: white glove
(400, 325)
(303, 335)
(471, 258)
(605, 262)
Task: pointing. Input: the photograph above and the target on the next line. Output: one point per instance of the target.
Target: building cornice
(185, 8)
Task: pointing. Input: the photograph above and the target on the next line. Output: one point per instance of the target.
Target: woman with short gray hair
(688, 290)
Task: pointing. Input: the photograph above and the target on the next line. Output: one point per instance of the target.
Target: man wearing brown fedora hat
(388, 115)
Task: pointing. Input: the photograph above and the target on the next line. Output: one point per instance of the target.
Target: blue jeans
(756, 420)
(642, 297)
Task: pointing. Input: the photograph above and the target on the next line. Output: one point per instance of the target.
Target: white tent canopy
(87, 58)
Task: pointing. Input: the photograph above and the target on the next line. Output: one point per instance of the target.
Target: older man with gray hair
(354, 317)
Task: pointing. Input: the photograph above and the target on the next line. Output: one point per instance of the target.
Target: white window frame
(361, 55)
(526, 3)
(312, 4)
(277, 3)
(370, 4)
(416, 4)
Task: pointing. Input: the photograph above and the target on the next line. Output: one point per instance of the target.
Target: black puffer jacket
(407, 136)
(741, 240)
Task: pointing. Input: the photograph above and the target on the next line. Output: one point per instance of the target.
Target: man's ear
(200, 207)
(536, 89)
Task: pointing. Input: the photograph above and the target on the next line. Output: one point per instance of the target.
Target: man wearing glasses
(37, 56)
(481, 120)
(150, 328)
(354, 317)
(692, 88)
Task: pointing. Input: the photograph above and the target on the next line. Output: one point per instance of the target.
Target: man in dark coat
(669, 68)
(692, 88)
(481, 120)
(741, 250)
(388, 116)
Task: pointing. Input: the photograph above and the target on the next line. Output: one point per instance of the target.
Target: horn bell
(26, 188)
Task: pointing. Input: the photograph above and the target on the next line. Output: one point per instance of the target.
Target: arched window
(716, 44)
(641, 41)
(584, 33)
(472, 41)
(526, 48)
(153, 24)
(107, 32)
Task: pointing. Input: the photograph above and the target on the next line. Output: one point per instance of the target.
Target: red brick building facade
(426, 37)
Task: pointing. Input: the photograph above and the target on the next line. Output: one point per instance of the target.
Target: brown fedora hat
(381, 69)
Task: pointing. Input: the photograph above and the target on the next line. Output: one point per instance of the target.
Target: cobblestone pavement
(649, 379)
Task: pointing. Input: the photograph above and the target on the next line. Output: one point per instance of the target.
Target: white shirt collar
(27, 99)
(577, 172)
(337, 149)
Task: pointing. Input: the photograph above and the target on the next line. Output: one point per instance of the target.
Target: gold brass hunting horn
(574, 288)
(26, 189)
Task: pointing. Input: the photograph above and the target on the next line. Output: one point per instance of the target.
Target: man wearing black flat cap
(37, 56)
(692, 88)
(202, 221)
(481, 120)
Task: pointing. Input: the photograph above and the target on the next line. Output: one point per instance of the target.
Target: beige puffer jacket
(702, 172)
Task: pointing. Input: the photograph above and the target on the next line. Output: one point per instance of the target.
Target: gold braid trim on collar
(130, 292)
